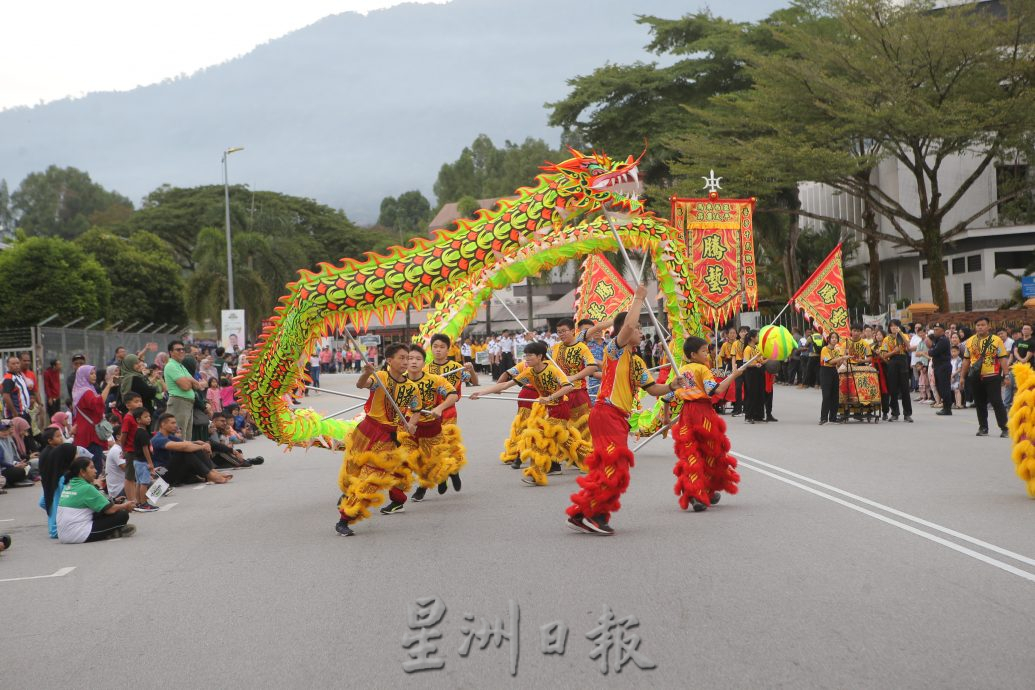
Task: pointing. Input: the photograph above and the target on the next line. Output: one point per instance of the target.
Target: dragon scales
(457, 270)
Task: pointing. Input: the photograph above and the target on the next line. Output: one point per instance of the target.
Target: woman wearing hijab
(199, 431)
(133, 380)
(62, 421)
(88, 410)
(13, 466)
(208, 370)
(114, 399)
(22, 437)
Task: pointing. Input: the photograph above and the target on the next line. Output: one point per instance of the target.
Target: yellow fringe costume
(511, 450)
(545, 439)
(435, 452)
(1021, 425)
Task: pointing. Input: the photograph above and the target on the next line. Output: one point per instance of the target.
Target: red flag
(721, 240)
(822, 297)
(602, 292)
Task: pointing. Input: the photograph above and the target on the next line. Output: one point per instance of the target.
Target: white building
(991, 242)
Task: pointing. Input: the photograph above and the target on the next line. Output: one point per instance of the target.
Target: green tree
(901, 82)
(262, 267)
(467, 206)
(64, 202)
(44, 275)
(149, 284)
(483, 171)
(407, 215)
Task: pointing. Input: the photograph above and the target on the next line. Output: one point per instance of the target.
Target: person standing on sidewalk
(941, 354)
(988, 354)
(895, 350)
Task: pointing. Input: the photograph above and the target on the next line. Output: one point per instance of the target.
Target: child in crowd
(115, 463)
(226, 394)
(957, 367)
(212, 394)
(143, 464)
(126, 440)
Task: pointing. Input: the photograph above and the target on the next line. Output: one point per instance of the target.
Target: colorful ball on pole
(776, 342)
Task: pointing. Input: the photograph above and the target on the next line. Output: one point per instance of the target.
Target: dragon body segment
(457, 269)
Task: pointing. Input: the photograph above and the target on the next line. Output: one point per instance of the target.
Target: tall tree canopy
(65, 202)
(483, 171)
(407, 215)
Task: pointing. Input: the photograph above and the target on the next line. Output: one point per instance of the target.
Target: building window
(1005, 261)
(959, 265)
(925, 269)
(973, 263)
(1008, 180)
(968, 297)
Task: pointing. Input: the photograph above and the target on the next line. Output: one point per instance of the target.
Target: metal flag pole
(347, 409)
(650, 309)
(650, 438)
(366, 361)
(520, 323)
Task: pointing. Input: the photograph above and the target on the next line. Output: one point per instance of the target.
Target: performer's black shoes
(599, 525)
(944, 413)
(908, 419)
(698, 506)
(516, 464)
(577, 522)
(982, 432)
(418, 495)
(343, 529)
(393, 507)
(555, 468)
(716, 497)
(1004, 433)
(442, 487)
(455, 479)
(771, 418)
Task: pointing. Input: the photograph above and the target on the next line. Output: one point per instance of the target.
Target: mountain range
(347, 110)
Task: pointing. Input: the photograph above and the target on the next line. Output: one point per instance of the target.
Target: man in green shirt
(181, 387)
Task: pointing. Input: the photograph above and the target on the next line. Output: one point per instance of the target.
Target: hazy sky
(56, 48)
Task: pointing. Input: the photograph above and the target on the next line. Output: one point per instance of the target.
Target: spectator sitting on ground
(183, 460)
(62, 421)
(242, 423)
(223, 452)
(115, 463)
(13, 467)
(85, 514)
(55, 459)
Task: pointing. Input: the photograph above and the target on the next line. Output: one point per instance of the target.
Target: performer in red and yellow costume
(704, 466)
(373, 463)
(527, 397)
(577, 362)
(608, 465)
(457, 375)
(431, 455)
(546, 436)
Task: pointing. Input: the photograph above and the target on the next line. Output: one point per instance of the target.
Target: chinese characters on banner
(720, 236)
(602, 291)
(822, 297)
(613, 645)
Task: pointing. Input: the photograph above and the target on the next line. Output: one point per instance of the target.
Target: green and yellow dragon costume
(546, 225)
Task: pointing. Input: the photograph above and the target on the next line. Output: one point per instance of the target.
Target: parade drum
(859, 385)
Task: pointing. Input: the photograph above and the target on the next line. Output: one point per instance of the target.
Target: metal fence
(97, 346)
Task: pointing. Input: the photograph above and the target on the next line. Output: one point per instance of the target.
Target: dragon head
(590, 181)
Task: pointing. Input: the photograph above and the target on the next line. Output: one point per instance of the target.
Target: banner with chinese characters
(721, 239)
(822, 297)
(602, 291)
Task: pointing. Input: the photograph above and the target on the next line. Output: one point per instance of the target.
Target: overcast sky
(51, 49)
(56, 48)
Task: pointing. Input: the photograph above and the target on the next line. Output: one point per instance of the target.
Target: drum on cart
(858, 392)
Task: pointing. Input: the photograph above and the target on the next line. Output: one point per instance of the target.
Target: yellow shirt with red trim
(700, 382)
(383, 385)
(828, 353)
(749, 352)
(725, 353)
(623, 373)
(896, 345)
(973, 348)
(572, 359)
(545, 382)
(432, 390)
(859, 351)
(456, 376)
(738, 350)
(454, 353)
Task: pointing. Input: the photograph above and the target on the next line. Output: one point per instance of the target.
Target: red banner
(602, 291)
(721, 239)
(823, 299)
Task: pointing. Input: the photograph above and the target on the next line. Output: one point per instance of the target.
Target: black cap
(78, 355)
(938, 325)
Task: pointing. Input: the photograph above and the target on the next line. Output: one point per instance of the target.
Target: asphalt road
(894, 556)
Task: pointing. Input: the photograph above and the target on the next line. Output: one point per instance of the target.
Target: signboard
(369, 340)
(482, 357)
(1028, 287)
(232, 332)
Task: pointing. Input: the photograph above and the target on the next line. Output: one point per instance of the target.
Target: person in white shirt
(115, 469)
(506, 351)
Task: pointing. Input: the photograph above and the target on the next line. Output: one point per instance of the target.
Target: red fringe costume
(607, 466)
(704, 464)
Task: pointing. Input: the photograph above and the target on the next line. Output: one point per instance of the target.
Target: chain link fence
(97, 346)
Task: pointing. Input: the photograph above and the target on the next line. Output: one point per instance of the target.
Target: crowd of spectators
(102, 441)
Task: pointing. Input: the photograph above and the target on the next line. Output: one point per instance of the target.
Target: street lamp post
(229, 246)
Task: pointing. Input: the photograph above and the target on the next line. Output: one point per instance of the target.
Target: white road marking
(199, 487)
(7, 520)
(901, 525)
(888, 509)
(167, 506)
(60, 573)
